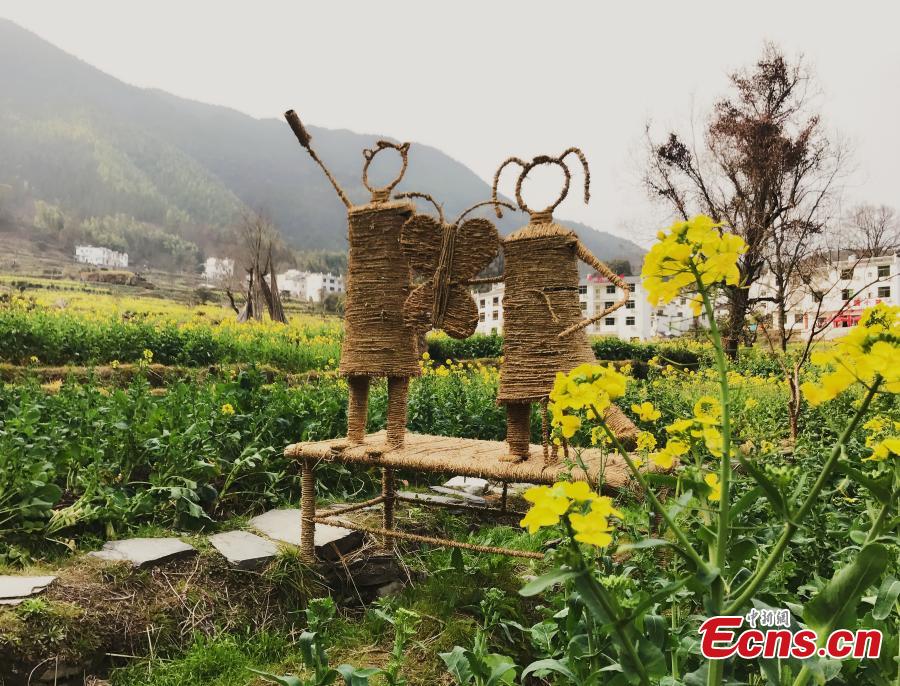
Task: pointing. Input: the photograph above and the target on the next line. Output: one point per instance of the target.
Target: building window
(659, 313)
(608, 304)
(884, 270)
(845, 294)
(481, 316)
(610, 289)
(629, 305)
(798, 319)
(629, 321)
(582, 290)
(496, 315)
(496, 300)
(481, 302)
(847, 273)
(884, 291)
(610, 321)
(583, 305)
(493, 329)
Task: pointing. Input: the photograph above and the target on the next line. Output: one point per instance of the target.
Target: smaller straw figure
(543, 330)
(448, 256)
(377, 340)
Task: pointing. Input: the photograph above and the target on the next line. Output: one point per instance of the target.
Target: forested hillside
(99, 152)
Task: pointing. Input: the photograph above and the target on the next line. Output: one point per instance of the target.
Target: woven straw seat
(438, 455)
(466, 457)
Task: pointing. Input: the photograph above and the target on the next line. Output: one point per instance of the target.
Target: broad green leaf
(458, 665)
(281, 680)
(550, 666)
(547, 580)
(880, 488)
(502, 669)
(357, 677)
(887, 596)
(835, 605)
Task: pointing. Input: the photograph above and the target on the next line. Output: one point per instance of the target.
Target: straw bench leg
(307, 513)
(388, 498)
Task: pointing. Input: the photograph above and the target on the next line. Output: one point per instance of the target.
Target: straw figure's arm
(304, 138)
(589, 259)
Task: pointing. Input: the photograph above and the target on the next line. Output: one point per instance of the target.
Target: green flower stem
(723, 533)
(600, 596)
(679, 534)
(749, 588)
(877, 524)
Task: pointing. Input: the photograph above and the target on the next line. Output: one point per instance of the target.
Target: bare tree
(765, 164)
(262, 245)
(873, 231)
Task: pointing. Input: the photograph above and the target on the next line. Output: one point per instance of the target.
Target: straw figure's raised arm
(591, 260)
(305, 139)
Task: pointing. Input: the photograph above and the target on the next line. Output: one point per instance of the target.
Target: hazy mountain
(81, 139)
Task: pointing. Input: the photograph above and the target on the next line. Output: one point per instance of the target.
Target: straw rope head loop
(545, 215)
(424, 196)
(382, 194)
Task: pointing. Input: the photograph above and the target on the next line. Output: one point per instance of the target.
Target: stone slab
(513, 490)
(456, 499)
(14, 589)
(284, 526)
(144, 552)
(468, 484)
(468, 497)
(243, 549)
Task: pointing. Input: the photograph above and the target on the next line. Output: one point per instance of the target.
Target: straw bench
(437, 455)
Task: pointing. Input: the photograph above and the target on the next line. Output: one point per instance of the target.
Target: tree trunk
(738, 303)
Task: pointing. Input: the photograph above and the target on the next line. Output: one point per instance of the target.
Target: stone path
(248, 550)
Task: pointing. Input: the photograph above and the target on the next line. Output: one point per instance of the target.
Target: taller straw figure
(377, 340)
(543, 328)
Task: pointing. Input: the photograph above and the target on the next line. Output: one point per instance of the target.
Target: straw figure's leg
(518, 431)
(357, 408)
(621, 426)
(307, 513)
(398, 390)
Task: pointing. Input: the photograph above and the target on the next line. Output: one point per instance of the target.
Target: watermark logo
(767, 634)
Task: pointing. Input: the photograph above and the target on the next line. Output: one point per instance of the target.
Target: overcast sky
(484, 80)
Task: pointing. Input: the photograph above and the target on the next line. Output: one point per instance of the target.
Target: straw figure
(543, 330)
(377, 340)
(448, 257)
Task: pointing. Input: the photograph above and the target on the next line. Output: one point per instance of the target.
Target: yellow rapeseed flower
(646, 412)
(646, 440)
(869, 351)
(688, 250)
(228, 409)
(712, 480)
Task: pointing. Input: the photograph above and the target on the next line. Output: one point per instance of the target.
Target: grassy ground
(199, 622)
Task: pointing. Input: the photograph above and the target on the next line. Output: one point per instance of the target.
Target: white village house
(636, 320)
(309, 286)
(101, 257)
(218, 269)
(853, 284)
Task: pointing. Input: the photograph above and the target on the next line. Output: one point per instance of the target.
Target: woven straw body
(540, 301)
(377, 341)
